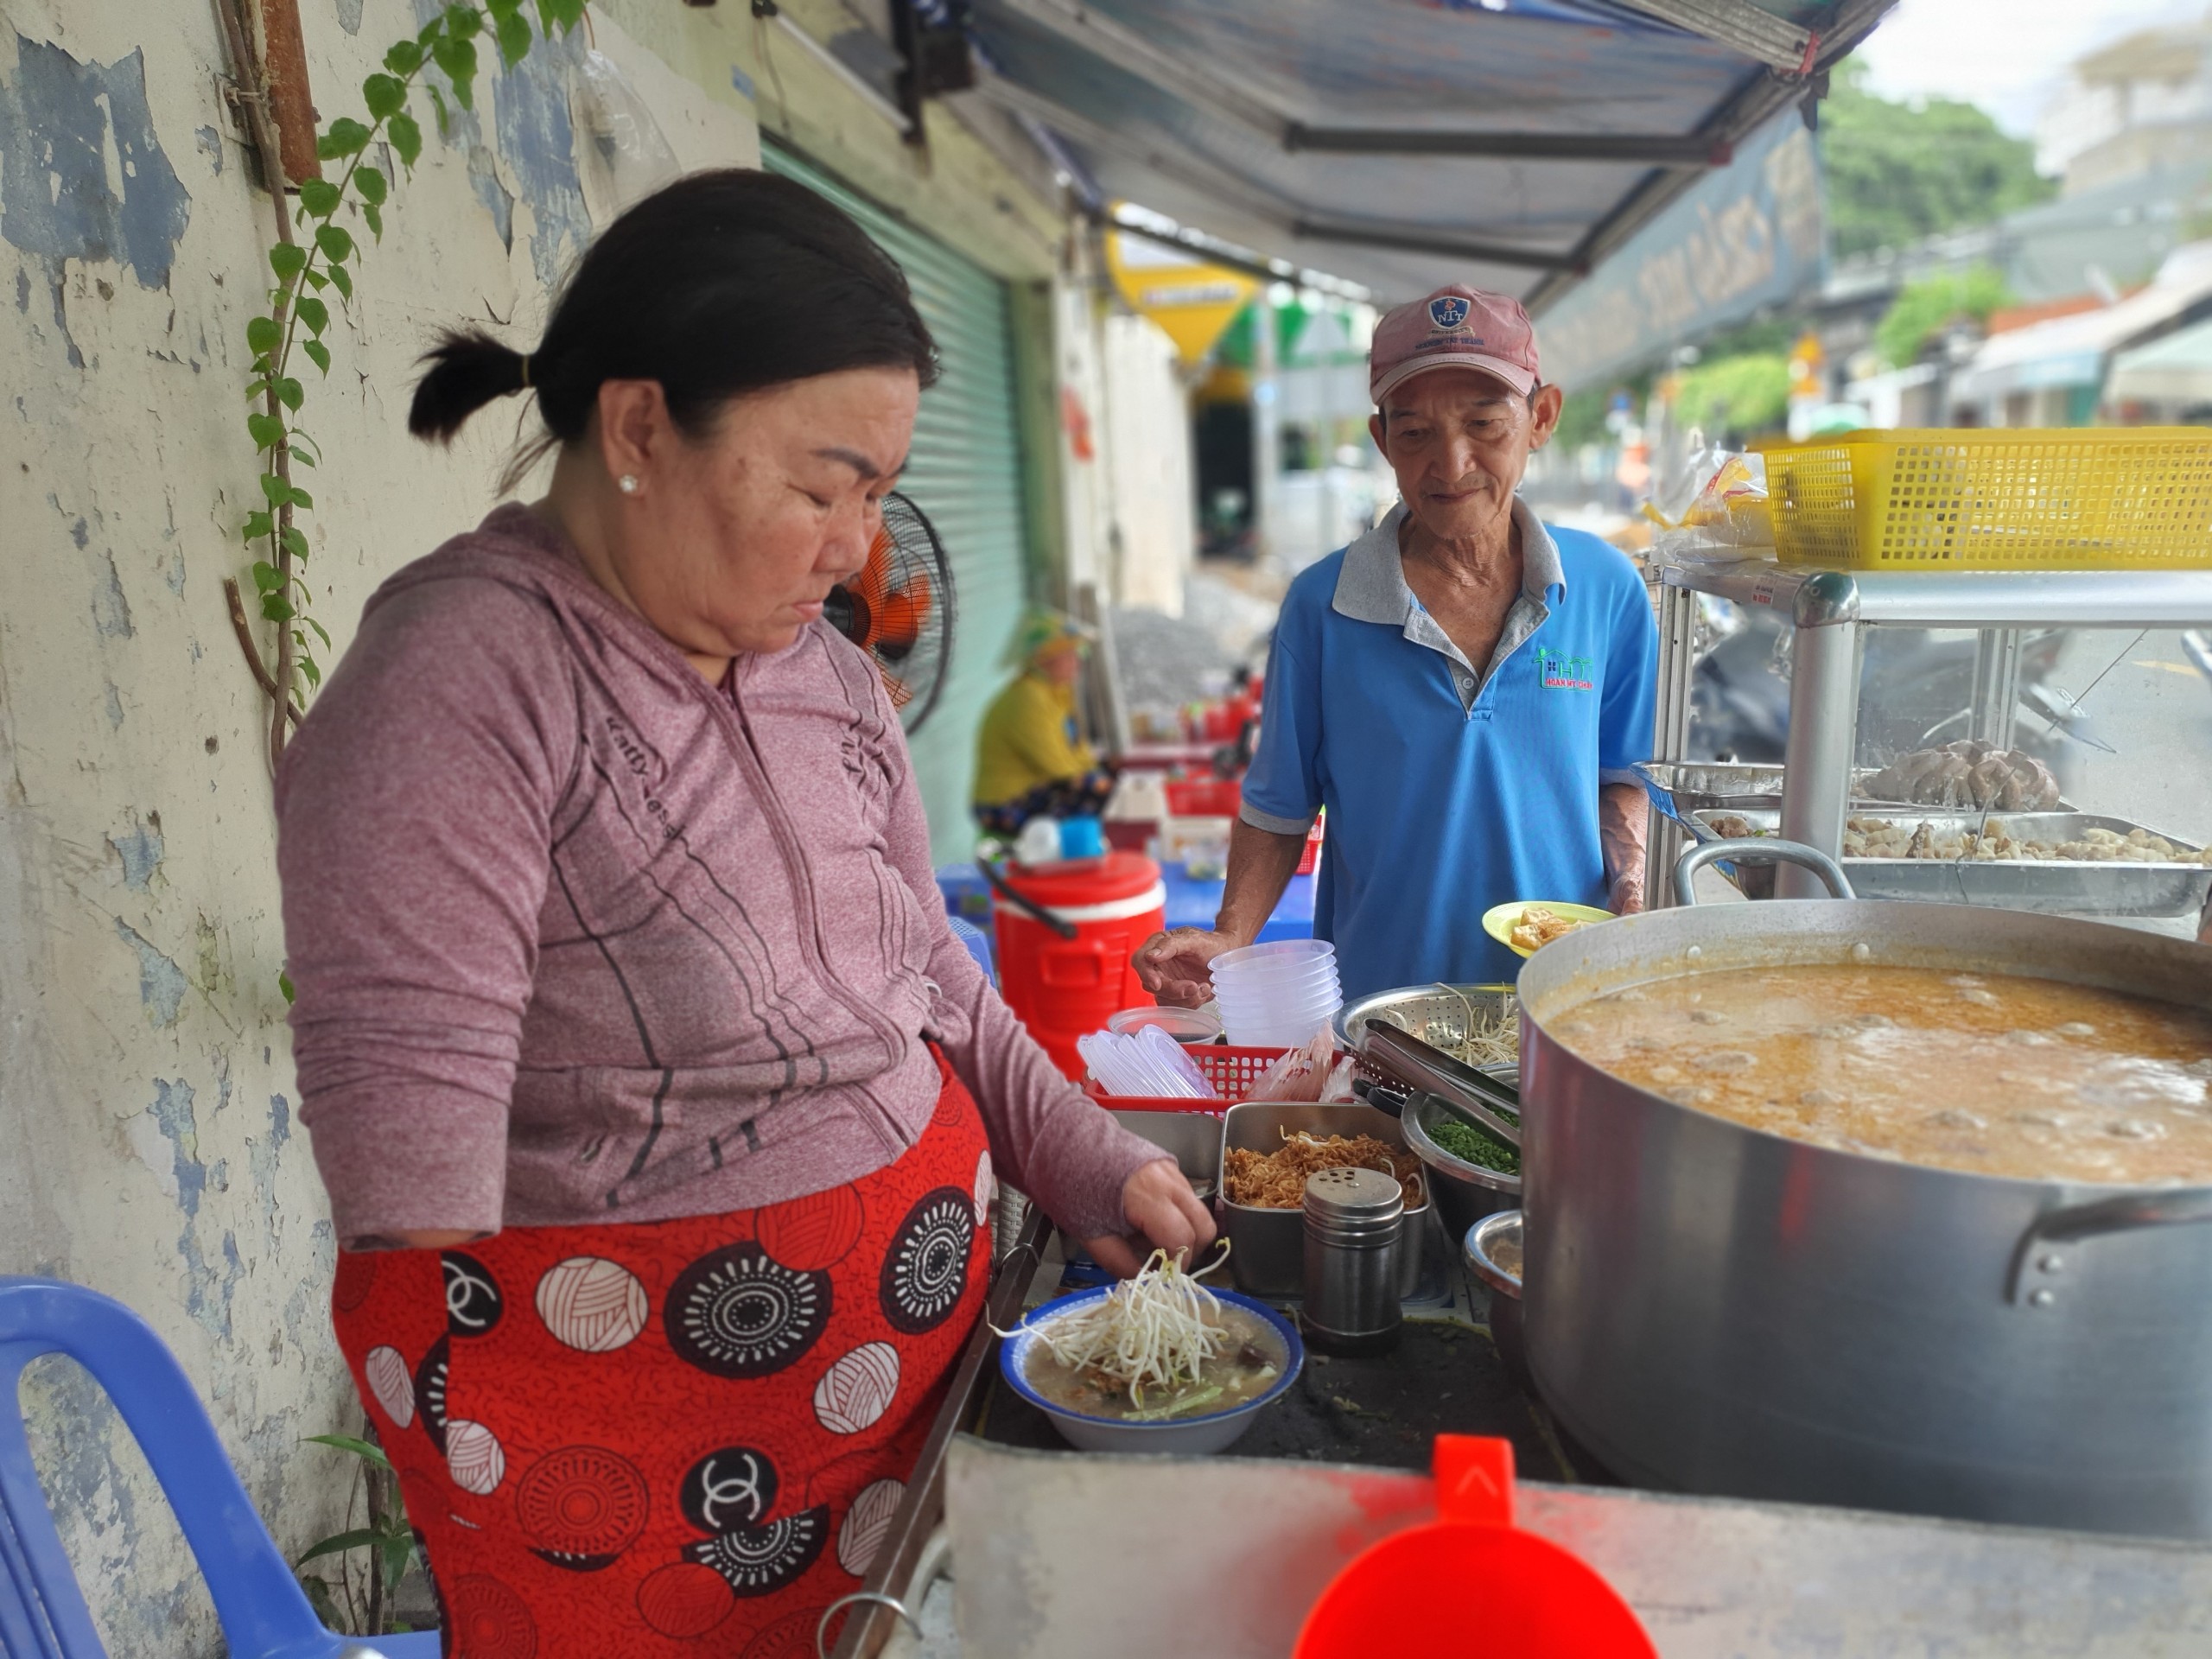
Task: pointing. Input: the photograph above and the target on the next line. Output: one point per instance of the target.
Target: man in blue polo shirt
(1462, 688)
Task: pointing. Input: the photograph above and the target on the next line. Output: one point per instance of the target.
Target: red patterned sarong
(677, 1437)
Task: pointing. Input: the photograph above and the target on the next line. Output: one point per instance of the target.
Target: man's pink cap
(1455, 327)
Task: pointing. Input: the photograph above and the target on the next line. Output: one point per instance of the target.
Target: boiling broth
(1243, 1371)
(1992, 1073)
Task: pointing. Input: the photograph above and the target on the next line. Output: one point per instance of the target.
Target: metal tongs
(1474, 1096)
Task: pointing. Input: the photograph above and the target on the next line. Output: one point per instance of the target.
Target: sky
(2007, 56)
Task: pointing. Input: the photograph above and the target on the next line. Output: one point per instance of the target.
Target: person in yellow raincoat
(1030, 759)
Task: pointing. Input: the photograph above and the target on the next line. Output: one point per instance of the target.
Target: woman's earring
(628, 483)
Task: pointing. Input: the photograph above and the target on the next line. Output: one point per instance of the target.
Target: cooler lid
(1085, 881)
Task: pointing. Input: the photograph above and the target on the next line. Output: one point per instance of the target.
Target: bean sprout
(1493, 1039)
(1154, 1330)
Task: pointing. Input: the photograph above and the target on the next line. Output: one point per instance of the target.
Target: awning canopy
(1401, 145)
(2073, 351)
(2175, 370)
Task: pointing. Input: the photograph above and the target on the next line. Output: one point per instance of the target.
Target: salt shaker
(1353, 1220)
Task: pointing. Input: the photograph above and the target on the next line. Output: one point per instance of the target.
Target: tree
(1898, 172)
(1927, 308)
(1741, 396)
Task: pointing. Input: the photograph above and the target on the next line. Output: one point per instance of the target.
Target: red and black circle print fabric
(672, 1438)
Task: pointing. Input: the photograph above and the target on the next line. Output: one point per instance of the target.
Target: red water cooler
(1062, 989)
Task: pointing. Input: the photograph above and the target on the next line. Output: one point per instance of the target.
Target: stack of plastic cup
(1277, 996)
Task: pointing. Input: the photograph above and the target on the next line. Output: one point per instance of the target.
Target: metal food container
(1462, 1192)
(1267, 1254)
(2055, 887)
(1192, 1139)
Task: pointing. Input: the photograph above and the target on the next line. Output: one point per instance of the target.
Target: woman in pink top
(659, 1109)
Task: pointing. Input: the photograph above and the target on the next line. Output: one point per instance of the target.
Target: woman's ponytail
(468, 369)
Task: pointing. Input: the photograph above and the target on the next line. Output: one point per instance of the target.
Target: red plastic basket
(1234, 1071)
(1205, 798)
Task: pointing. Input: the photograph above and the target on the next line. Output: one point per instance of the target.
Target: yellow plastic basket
(2122, 498)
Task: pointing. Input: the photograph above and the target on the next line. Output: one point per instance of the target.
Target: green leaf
(299, 498)
(276, 609)
(369, 185)
(286, 259)
(275, 488)
(347, 136)
(266, 577)
(403, 60)
(406, 139)
(360, 1448)
(316, 280)
(262, 335)
(301, 457)
(501, 9)
(566, 14)
(338, 1543)
(318, 354)
(321, 633)
(463, 23)
(342, 280)
(386, 95)
(458, 59)
(290, 393)
(319, 198)
(514, 38)
(373, 216)
(313, 312)
(310, 670)
(257, 525)
(336, 243)
(266, 430)
(393, 1557)
(438, 103)
(293, 540)
(318, 1589)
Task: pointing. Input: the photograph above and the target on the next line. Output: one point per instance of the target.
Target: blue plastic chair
(976, 943)
(263, 1611)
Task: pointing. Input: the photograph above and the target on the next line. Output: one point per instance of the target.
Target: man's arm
(1173, 966)
(1622, 816)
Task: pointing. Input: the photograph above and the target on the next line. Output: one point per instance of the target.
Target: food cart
(1828, 767)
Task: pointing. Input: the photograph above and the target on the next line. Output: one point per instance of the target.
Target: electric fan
(898, 610)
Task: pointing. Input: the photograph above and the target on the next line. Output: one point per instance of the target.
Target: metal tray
(2045, 886)
(1267, 1254)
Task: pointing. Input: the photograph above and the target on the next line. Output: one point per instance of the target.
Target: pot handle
(2040, 1260)
(1758, 850)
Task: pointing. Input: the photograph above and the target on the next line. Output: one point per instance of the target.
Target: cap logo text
(1447, 311)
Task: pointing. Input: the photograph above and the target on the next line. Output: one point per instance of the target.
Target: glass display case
(2037, 739)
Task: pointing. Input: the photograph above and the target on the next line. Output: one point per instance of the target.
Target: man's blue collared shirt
(1450, 789)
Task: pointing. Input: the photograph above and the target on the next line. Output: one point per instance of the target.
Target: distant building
(2142, 104)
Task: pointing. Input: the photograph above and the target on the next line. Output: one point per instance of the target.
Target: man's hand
(1175, 966)
(1626, 898)
(1164, 1213)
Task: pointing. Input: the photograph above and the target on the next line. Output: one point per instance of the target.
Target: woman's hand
(1161, 1208)
(1174, 966)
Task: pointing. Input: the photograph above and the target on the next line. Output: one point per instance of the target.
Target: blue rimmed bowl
(1196, 1436)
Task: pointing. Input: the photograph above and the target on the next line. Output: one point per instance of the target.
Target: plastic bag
(1727, 519)
(1301, 1074)
(626, 157)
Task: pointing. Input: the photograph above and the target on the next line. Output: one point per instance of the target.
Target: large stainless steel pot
(1715, 1309)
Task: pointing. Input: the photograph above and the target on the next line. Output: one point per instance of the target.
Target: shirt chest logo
(1557, 671)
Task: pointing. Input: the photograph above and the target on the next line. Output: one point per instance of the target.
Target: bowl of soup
(1262, 1356)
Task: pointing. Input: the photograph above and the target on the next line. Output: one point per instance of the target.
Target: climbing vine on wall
(315, 256)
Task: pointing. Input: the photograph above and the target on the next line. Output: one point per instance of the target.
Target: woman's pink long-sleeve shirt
(576, 936)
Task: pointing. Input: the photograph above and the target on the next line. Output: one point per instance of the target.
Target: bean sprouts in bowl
(1158, 1364)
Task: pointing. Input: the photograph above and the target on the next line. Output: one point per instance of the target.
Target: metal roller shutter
(965, 472)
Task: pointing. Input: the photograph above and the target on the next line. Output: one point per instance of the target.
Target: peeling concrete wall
(149, 1142)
